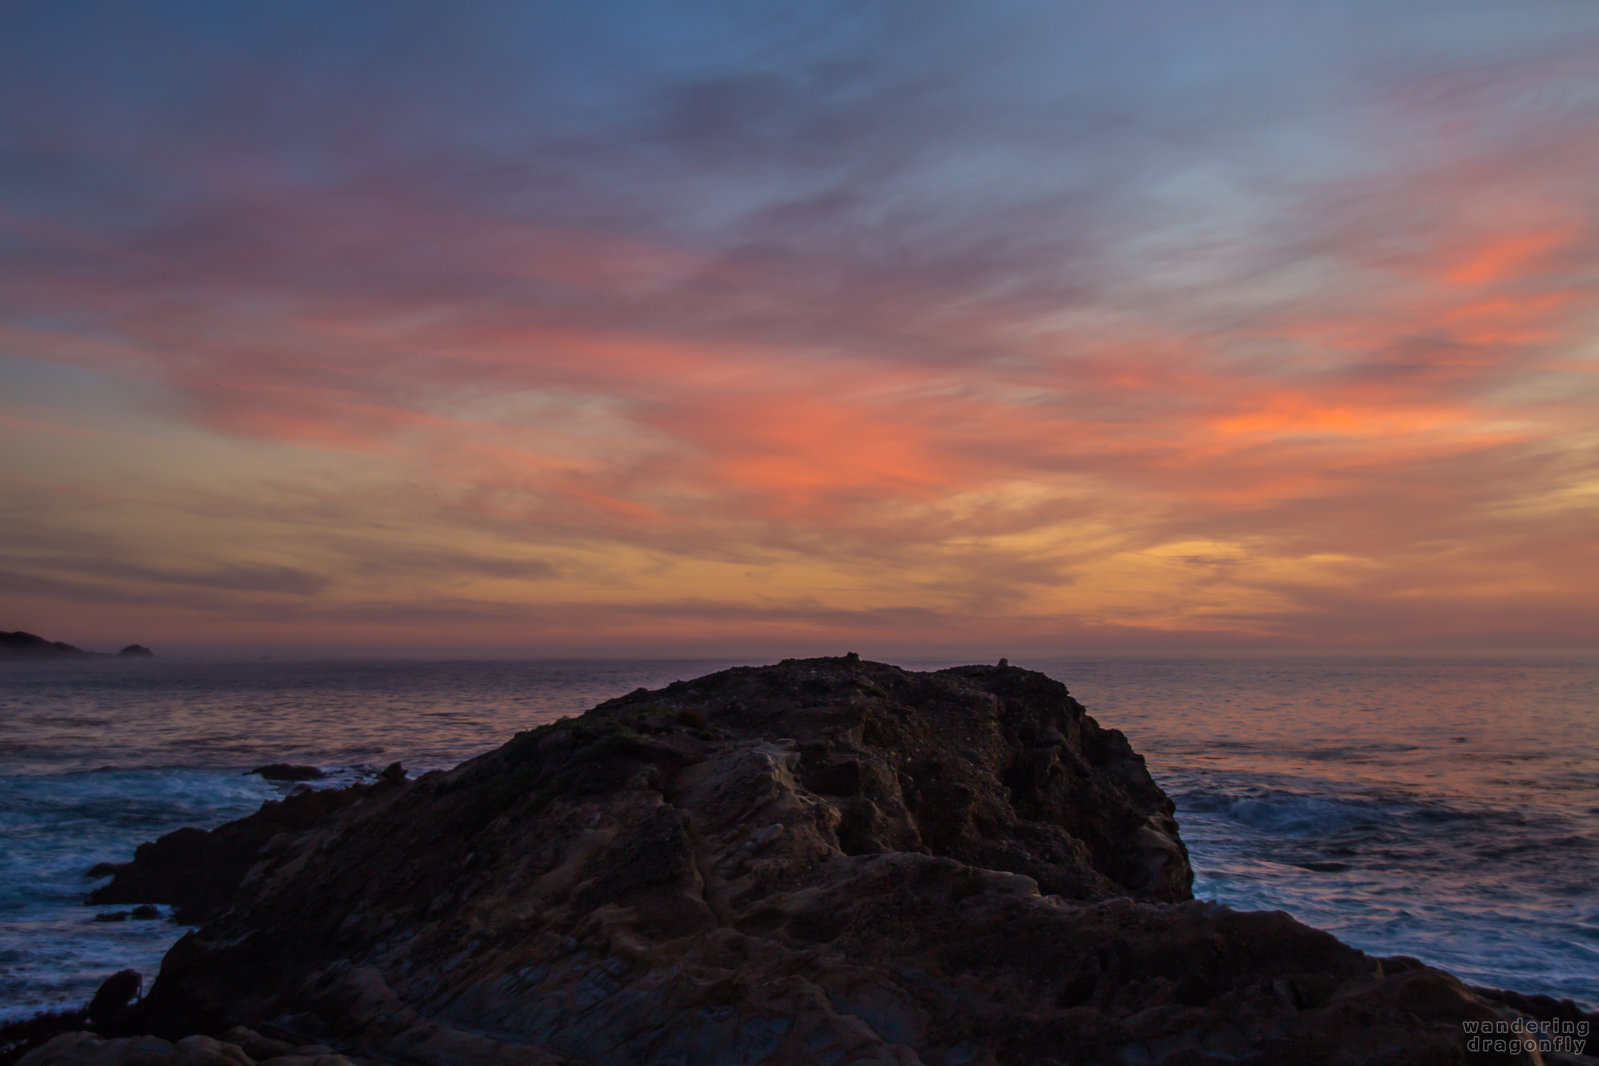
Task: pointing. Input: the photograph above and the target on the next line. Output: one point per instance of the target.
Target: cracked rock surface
(824, 861)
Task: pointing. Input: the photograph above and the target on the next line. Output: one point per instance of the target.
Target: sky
(698, 328)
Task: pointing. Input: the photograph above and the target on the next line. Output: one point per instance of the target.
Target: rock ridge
(823, 861)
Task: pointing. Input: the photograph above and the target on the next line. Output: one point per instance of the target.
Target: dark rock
(196, 872)
(23, 1034)
(116, 992)
(142, 913)
(257, 1046)
(393, 774)
(26, 646)
(282, 771)
(89, 1049)
(823, 861)
(1544, 1008)
(20, 645)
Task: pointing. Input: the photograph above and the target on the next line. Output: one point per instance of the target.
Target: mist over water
(1439, 808)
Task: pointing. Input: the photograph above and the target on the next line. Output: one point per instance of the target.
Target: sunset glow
(705, 329)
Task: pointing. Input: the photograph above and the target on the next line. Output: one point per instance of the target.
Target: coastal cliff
(824, 861)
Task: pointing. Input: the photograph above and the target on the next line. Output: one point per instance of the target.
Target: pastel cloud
(1171, 330)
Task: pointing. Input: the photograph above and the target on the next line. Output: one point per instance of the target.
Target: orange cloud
(1507, 256)
(1290, 412)
(806, 428)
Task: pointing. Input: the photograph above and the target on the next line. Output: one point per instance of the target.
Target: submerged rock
(145, 912)
(823, 861)
(282, 771)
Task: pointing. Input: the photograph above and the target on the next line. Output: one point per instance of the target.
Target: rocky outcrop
(20, 646)
(824, 861)
(197, 872)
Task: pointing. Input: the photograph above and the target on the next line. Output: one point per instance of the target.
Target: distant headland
(20, 645)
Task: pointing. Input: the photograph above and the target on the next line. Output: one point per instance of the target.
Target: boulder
(114, 995)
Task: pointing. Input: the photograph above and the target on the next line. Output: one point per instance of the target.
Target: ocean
(1441, 808)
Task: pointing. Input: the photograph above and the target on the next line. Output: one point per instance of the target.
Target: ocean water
(1446, 809)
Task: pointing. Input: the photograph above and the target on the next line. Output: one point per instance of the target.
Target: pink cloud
(571, 383)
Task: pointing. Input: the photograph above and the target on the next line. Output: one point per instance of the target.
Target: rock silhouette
(18, 645)
(114, 995)
(822, 861)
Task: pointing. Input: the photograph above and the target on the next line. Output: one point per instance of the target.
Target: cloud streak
(924, 328)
